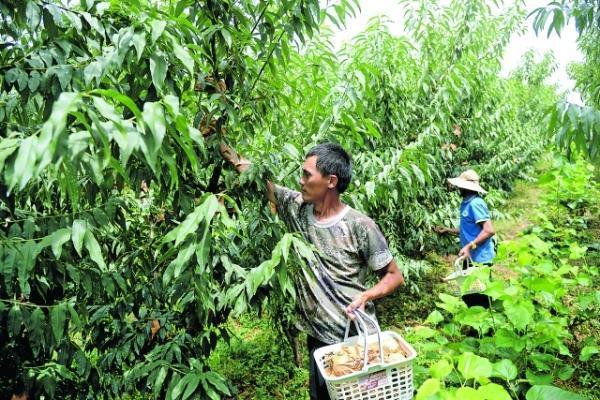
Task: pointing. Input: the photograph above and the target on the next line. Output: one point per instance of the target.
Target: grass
(259, 362)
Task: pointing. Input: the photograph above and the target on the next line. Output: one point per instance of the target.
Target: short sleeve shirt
(349, 244)
(474, 211)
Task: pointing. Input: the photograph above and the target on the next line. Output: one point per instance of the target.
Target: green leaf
(78, 233)
(154, 118)
(58, 317)
(37, 329)
(547, 392)
(29, 252)
(24, 164)
(158, 382)
(34, 81)
(467, 393)
(107, 110)
(505, 369)
(184, 56)
(15, 320)
(428, 388)
(93, 248)
(472, 366)
(180, 387)
(176, 266)
(139, 42)
(59, 238)
(441, 369)
(565, 372)
(190, 388)
(7, 148)
(158, 70)
(518, 314)
(123, 99)
(217, 381)
(434, 318)
(74, 316)
(587, 352)
(492, 391)
(507, 338)
(93, 70)
(158, 27)
(227, 36)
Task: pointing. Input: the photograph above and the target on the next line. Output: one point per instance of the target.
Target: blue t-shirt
(474, 211)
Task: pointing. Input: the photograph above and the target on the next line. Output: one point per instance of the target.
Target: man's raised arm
(242, 164)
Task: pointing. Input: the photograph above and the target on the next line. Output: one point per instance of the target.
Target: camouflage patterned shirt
(350, 243)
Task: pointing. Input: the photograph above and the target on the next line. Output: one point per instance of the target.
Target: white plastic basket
(379, 381)
(459, 275)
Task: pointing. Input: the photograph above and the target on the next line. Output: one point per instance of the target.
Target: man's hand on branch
(440, 229)
(229, 155)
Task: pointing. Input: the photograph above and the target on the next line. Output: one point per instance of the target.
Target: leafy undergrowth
(259, 363)
(540, 338)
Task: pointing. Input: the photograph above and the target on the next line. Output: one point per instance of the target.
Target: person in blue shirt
(475, 230)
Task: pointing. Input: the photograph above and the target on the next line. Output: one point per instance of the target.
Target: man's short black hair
(332, 159)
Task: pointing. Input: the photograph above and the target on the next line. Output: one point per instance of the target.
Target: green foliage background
(126, 243)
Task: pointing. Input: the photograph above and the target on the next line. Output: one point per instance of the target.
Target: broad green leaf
(492, 391)
(190, 388)
(78, 231)
(7, 148)
(587, 352)
(507, 338)
(158, 70)
(227, 36)
(566, 372)
(536, 378)
(74, 315)
(29, 252)
(217, 381)
(158, 27)
(505, 369)
(59, 238)
(107, 110)
(441, 369)
(176, 266)
(139, 42)
(468, 393)
(184, 56)
(37, 328)
(518, 314)
(435, 317)
(160, 379)
(123, 99)
(472, 366)
(58, 318)
(93, 248)
(154, 118)
(15, 320)
(24, 164)
(547, 392)
(93, 70)
(179, 388)
(429, 387)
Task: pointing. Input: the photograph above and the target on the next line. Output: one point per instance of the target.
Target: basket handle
(458, 263)
(363, 318)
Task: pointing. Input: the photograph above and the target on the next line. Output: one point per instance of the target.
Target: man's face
(314, 185)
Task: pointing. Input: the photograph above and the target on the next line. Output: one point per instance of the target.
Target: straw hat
(467, 180)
